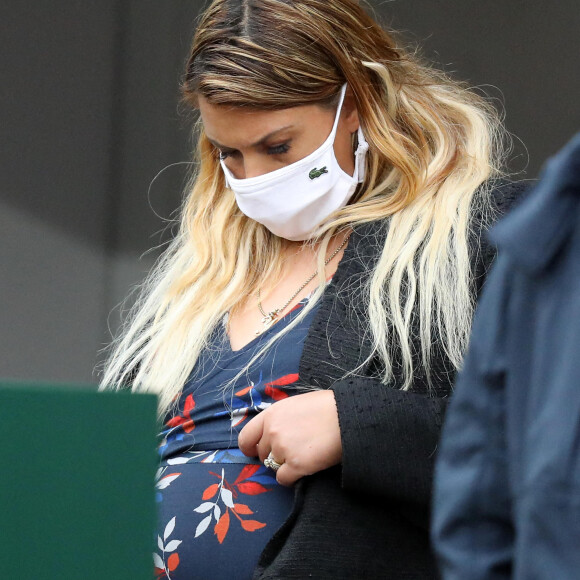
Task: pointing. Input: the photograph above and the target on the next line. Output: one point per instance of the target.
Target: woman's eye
(223, 155)
(279, 149)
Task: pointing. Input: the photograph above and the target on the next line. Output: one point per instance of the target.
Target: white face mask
(292, 201)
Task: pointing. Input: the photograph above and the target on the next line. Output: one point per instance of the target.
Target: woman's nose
(253, 168)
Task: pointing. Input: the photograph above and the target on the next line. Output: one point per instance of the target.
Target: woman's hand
(301, 432)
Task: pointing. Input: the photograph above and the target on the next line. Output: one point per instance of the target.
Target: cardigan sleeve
(389, 438)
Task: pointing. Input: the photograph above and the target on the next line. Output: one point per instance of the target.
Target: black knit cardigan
(369, 517)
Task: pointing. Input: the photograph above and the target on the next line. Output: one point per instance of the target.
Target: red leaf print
(240, 508)
(248, 471)
(174, 421)
(251, 488)
(275, 394)
(184, 419)
(285, 380)
(252, 525)
(221, 528)
(188, 424)
(244, 391)
(159, 571)
(210, 491)
(189, 405)
(173, 561)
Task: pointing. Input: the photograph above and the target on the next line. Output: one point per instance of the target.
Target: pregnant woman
(303, 329)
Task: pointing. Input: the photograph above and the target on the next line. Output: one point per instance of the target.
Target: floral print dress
(217, 508)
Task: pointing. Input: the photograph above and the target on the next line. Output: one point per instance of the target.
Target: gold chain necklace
(273, 315)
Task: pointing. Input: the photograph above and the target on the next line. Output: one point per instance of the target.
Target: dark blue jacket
(507, 488)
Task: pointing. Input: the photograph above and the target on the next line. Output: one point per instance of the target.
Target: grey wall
(524, 52)
(58, 81)
(89, 115)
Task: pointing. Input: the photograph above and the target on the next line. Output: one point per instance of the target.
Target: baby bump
(216, 512)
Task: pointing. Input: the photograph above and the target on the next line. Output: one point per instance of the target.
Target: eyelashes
(277, 150)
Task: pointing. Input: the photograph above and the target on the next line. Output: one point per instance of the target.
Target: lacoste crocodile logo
(316, 173)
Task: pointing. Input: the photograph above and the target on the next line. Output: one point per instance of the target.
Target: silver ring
(272, 463)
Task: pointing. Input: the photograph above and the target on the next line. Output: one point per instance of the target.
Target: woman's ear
(350, 112)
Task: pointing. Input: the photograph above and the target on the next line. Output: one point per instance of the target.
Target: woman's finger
(264, 447)
(287, 476)
(250, 435)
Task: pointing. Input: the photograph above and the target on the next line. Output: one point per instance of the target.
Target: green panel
(77, 483)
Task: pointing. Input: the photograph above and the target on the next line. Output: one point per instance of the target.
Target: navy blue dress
(218, 508)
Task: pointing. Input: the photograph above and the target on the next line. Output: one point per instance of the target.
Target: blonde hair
(434, 144)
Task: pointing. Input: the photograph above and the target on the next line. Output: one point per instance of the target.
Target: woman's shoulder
(500, 198)
(506, 194)
(493, 200)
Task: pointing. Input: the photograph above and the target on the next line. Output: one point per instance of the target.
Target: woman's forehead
(224, 124)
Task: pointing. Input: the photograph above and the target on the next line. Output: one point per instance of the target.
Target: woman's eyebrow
(257, 143)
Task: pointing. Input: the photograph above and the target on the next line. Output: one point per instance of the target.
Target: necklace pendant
(268, 320)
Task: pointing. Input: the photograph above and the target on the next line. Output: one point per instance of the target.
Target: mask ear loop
(226, 172)
(363, 146)
(338, 111)
(360, 157)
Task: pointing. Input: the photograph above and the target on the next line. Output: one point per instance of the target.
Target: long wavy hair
(434, 147)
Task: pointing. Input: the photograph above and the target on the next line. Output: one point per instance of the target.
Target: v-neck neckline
(266, 332)
(304, 301)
